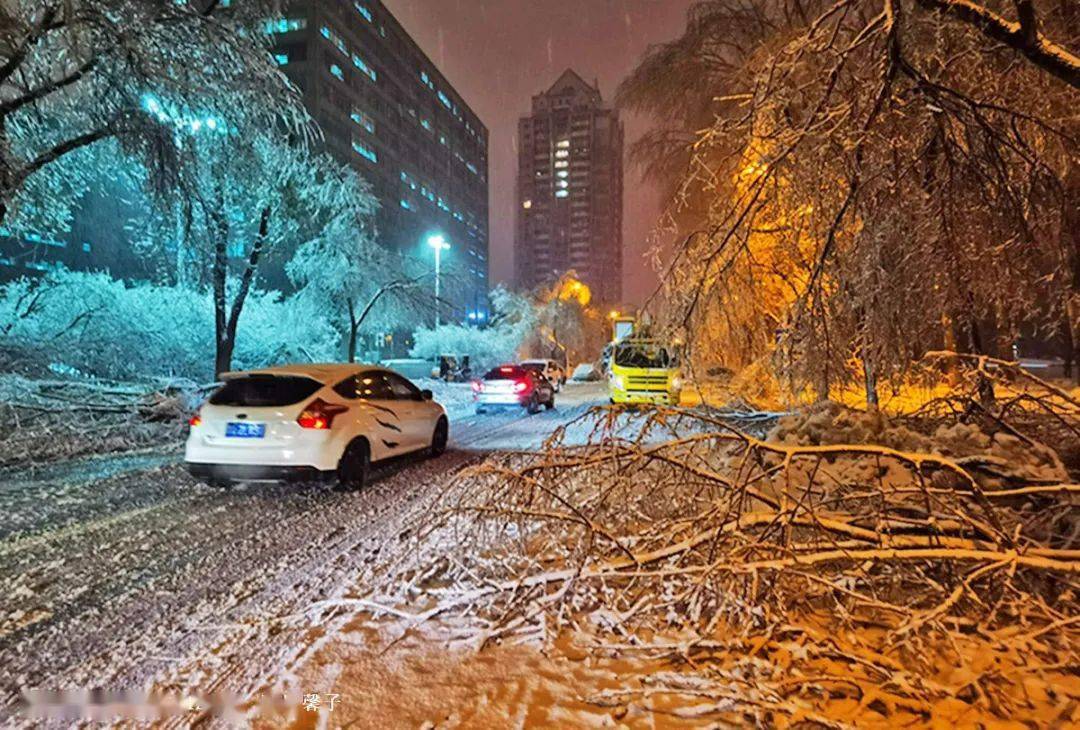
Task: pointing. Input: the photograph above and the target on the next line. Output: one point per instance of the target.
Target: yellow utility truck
(644, 370)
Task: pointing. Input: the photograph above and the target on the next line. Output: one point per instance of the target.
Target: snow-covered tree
(863, 181)
(346, 272)
(513, 320)
(109, 328)
(76, 72)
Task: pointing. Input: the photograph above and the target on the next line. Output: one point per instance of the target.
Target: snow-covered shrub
(108, 328)
(486, 347)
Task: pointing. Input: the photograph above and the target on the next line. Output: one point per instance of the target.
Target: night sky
(499, 53)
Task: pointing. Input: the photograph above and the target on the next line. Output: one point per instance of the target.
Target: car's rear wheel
(550, 404)
(354, 469)
(440, 437)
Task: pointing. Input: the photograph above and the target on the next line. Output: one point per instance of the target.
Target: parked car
(549, 369)
(312, 421)
(515, 386)
(586, 372)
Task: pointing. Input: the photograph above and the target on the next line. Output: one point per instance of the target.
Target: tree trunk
(219, 274)
(354, 328)
(245, 288)
(870, 377)
(1070, 243)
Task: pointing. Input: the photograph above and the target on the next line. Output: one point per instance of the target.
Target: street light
(438, 243)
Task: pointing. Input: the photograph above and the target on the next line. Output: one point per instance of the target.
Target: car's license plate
(240, 430)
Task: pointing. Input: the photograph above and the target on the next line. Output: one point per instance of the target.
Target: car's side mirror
(426, 395)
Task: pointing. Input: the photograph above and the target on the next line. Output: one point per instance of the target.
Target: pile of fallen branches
(782, 576)
(1003, 397)
(48, 420)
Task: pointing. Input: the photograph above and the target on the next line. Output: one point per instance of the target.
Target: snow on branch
(1022, 36)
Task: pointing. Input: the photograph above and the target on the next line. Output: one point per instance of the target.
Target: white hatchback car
(311, 421)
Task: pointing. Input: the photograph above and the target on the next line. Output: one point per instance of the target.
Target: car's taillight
(196, 419)
(521, 386)
(319, 415)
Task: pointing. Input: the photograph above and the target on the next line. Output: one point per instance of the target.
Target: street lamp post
(438, 243)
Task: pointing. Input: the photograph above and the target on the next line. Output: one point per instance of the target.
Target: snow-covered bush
(485, 347)
(108, 328)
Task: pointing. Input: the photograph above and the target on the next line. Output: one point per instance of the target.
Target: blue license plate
(241, 430)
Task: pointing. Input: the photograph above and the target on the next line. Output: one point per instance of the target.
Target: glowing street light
(437, 242)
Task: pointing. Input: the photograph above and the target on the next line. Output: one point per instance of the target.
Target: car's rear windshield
(537, 367)
(265, 390)
(505, 373)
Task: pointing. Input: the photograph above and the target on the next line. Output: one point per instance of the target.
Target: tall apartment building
(569, 190)
(386, 109)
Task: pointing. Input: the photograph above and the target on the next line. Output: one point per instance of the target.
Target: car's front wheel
(440, 437)
(354, 468)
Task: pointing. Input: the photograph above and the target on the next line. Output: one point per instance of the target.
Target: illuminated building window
(334, 38)
(562, 173)
(281, 58)
(363, 10)
(562, 193)
(285, 25)
(426, 124)
(365, 152)
(363, 120)
(405, 204)
(527, 204)
(359, 63)
(561, 154)
(337, 72)
(561, 164)
(563, 144)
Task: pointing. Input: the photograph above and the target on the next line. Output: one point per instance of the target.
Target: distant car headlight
(617, 382)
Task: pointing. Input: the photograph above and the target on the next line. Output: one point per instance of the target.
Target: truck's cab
(644, 371)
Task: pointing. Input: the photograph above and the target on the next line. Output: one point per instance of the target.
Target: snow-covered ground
(121, 570)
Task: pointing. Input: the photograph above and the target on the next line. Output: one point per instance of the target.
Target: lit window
(281, 58)
(562, 173)
(285, 25)
(426, 124)
(337, 72)
(562, 183)
(359, 63)
(563, 144)
(562, 163)
(527, 204)
(562, 154)
(363, 10)
(365, 152)
(562, 193)
(445, 100)
(405, 204)
(334, 38)
(86, 247)
(363, 120)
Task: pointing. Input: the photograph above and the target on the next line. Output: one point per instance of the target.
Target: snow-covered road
(118, 571)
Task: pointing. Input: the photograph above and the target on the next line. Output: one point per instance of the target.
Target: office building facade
(569, 190)
(385, 108)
